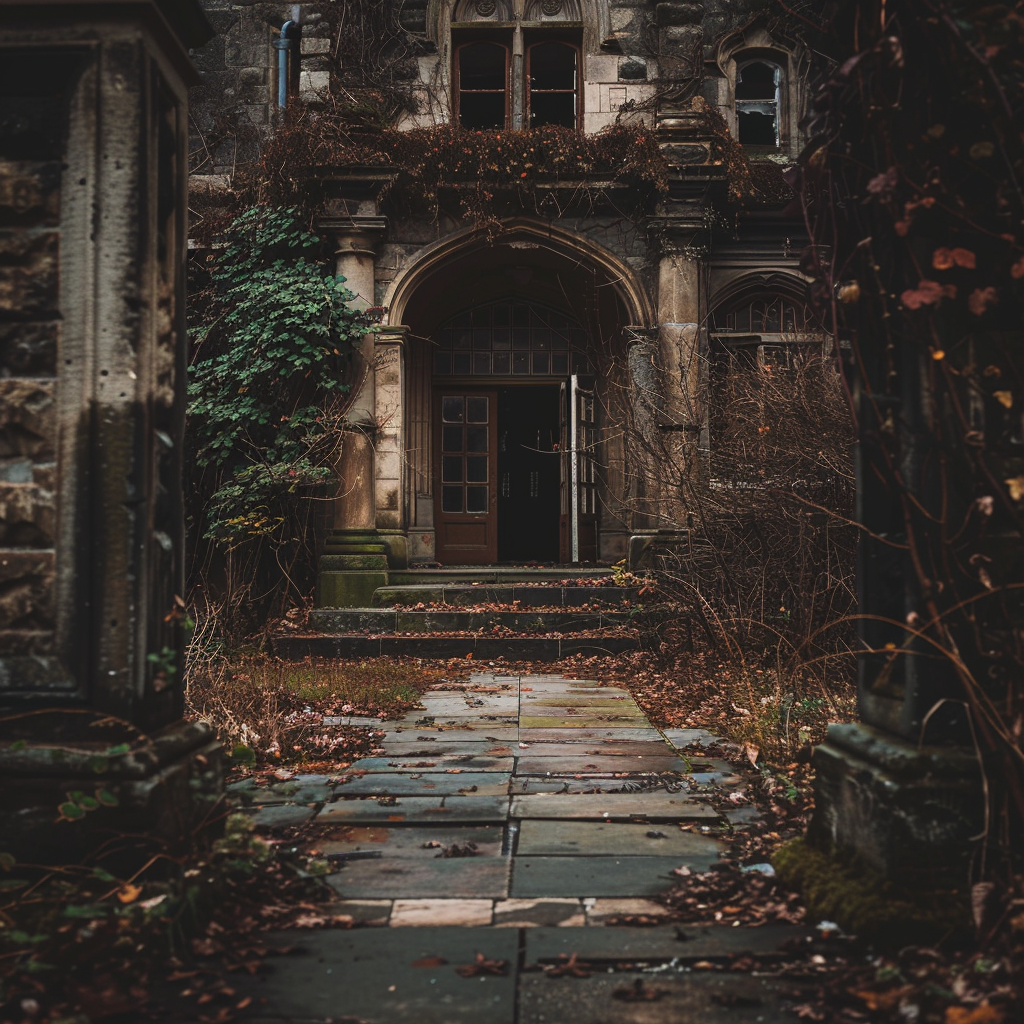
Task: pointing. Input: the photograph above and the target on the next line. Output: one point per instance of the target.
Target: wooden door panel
(465, 493)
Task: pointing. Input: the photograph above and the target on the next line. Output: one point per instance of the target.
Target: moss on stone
(863, 902)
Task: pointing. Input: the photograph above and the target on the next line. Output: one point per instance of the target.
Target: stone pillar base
(354, 564)
(167, 786)
(909, 814)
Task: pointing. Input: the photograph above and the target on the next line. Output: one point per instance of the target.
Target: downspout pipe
(289, 35)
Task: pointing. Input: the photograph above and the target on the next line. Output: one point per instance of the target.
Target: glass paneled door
(465, 471)
(579, 473)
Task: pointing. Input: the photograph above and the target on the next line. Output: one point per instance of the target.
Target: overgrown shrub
(272, 337)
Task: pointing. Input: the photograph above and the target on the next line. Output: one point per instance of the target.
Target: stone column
(354, 563)
(390, 468)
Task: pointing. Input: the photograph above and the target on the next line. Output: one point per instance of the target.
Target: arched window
(553, 80)
(517, 70)
(511, 338)
(757, 103)
(482, 76)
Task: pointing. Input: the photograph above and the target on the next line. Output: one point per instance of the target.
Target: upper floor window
(518, 64)
(757, 103)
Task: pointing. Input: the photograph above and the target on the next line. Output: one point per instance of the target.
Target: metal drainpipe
(283, 45)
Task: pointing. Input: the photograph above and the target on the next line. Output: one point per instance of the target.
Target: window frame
(492, 38)
(772, 61)
(543, 38)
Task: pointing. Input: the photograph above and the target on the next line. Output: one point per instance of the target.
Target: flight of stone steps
(540, 614)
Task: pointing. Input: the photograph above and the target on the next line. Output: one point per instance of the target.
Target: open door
(465, 471)
(578, 444)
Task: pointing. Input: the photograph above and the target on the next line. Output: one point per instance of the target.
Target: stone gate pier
(93, 174)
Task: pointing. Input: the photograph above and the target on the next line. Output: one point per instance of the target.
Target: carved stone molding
(486, 8)
(551, 7)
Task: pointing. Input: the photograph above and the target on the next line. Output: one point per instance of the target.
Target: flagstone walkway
(509, 820)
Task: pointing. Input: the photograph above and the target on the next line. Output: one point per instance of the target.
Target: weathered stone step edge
(403, 620)
(528, 595)
(492, 574)
(518, 648)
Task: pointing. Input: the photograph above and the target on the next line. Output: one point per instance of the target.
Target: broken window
(483, 85)
(553, 96)
(757, 103)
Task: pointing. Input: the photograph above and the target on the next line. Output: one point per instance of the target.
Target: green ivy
(273, 336)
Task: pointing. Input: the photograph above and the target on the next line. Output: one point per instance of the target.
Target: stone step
(528, 595)
(405, 620)
(468, 574)
(478, 648)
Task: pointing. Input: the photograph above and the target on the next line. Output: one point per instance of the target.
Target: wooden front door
(465, 470)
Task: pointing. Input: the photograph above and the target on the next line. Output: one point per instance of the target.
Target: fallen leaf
(882, 1000)
(129, 893)
(430, 961)
(1004, 398)
(639, 993)
(482, 966)
(572, 967)
(983, 1014)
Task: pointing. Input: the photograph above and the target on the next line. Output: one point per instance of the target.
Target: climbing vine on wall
(271, 335)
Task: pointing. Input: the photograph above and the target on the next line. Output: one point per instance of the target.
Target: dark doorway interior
(528, 474)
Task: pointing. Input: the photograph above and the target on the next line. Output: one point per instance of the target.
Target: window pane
(756, 82)
(520, 316)
(502, 339)
(482, 111)
(482, 317)
(482, 339)
(482, 66)
(476, 410)
(451, 469)
(476, 439)
(560, 363)
(521, 362)
(521, 338)
(451, 439)
(502, 362)
(482, 363)
(462, 340)
(476, 469)
(451, 499)
(541, 362)
(502, 316)
(476, 499)
(757, 129)
(443, 363)
(541, 341)
(552, 66)
(461, 363)
(452, 409)
(553, 108)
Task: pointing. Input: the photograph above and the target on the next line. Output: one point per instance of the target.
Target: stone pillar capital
(354, 234)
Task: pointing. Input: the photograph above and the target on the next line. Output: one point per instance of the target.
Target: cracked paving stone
(615, 807)
(592, 876)
(388, 976)
(619, 839)
(414, 877)
(415, 810)
(416, 784)
(423, 842)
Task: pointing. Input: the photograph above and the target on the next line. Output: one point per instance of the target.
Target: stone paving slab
(600, 748)
(416, 810)
(616, 720)
(661, 942)
(526, 784)
(588, 764)
(536, 913)
(428, 913)
(638, 734)
(592, 876)
(691, 998)
(654, 806)
(278, 816)
(439, 764)
(416, 784)
(470, 728)
(602, 712)
(689, 737)
(423, 842)
(418, 877)
(368, 974)
(439, 745)
(580, 699)
(622, 839)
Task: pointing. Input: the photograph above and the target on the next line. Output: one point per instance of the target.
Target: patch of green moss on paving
(863, 903)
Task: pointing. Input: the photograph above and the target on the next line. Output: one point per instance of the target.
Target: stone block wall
(30, 195)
